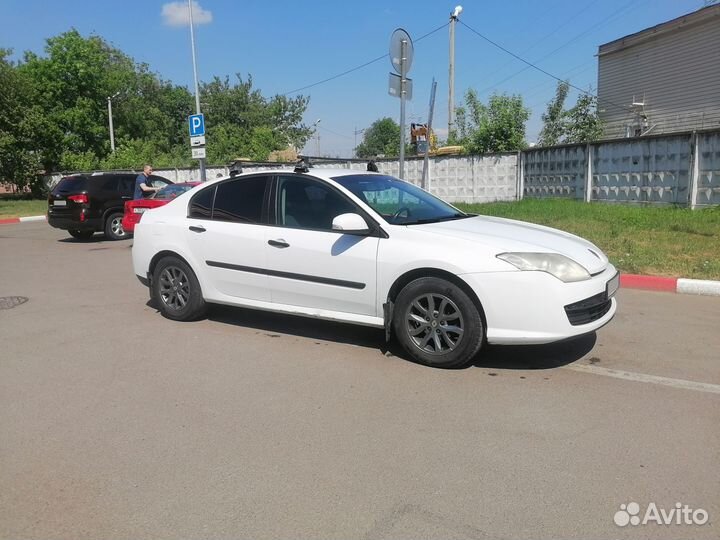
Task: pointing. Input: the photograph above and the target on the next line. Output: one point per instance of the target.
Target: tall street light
(197, 90)
(451, 85)
(317, 135)
(110, 120)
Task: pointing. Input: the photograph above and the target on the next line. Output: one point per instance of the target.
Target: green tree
(381, 138)
(579, 124)
(583, 122)
(53, 113)
(498, 126)
(242, 122)
(23, 127)
(553, 129)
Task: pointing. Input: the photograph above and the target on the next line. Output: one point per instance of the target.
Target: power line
(346, 72)
(602, 22)
(541, 40)
(541, 70)
(334, 132)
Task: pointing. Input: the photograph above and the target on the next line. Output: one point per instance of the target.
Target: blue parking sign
(196, 122)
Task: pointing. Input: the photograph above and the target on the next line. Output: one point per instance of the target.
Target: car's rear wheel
(176, 290)
(81, 235)
(437, 323)
(113, 227)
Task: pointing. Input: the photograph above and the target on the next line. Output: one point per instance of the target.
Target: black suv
(83, 204)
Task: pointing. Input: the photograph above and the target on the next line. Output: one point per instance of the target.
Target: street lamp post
(317, 135)
(197, 90)
(451, 84)
(110, 120)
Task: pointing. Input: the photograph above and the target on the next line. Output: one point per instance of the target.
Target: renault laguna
(370, 249)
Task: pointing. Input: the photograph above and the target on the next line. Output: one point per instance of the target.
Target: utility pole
(356, 131)
(110, 122)
(451, 84)
(425, 173)
(197, 89)
(317, 137)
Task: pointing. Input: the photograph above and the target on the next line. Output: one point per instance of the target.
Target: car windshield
(171, 191)
(398, 202)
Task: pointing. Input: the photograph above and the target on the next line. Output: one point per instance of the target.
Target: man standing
(142, 183)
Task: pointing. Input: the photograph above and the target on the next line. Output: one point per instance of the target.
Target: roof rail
(304, 165)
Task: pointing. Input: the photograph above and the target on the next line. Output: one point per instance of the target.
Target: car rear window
(71, 183)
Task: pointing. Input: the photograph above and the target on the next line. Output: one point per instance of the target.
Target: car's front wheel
(437, 323)
(113, 227)
(176, 290)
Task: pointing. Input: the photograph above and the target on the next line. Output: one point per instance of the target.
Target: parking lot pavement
(117, 423)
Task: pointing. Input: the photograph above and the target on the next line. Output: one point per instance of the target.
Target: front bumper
(532, 307)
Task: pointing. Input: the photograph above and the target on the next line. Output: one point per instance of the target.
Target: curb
(675, 285)
(22, 219)
(627, 281)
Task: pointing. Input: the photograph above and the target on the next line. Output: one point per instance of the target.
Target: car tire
(113, 227)
(437, 323)
(176, 290)
(81, 235)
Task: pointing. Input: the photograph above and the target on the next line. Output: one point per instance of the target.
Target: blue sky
(288, 45)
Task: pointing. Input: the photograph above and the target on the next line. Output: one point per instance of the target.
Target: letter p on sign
(197, 125)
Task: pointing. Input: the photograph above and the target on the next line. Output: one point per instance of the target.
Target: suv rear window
(71, 183)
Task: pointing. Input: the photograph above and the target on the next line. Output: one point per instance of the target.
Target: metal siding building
(663, 79)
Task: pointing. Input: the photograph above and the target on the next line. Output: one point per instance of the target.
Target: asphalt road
(118, 424)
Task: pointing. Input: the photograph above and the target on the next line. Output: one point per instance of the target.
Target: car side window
(307, 204)
(127, 185)
(111, 183)
(240, 200)
(201, 204)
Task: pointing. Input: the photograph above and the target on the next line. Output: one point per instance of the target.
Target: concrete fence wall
(679, 169)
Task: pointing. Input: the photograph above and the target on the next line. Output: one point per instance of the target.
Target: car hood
(508, 235)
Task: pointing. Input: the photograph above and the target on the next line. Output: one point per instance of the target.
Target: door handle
(197, 228)
(279, 243)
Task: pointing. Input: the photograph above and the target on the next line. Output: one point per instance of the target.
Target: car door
(309, 264)
(227, 226)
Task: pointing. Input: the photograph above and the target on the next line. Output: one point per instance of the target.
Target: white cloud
(178, 14)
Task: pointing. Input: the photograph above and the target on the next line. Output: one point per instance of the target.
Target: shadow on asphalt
(278, 323)
(523, 357)
(548, 356)
(96, 239)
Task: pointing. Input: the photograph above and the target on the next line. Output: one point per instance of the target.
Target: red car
(135, 209)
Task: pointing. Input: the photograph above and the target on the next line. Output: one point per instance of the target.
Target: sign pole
(197, 90)
(403, 82)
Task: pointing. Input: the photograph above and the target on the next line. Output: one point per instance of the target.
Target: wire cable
(603, 22)
(541, 70)
(346, 72)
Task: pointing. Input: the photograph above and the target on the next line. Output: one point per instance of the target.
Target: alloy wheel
(116, 227)
(174, 288)
(434, 323)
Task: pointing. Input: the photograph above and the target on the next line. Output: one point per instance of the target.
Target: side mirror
(350, 224)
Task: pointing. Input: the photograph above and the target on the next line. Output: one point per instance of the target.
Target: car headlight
(560, 266)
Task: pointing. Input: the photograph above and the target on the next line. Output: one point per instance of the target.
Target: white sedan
(369, 249)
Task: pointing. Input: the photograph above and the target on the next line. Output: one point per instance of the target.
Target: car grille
(588, 310)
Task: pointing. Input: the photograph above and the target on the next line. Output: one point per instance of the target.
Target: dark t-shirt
(141, 179)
